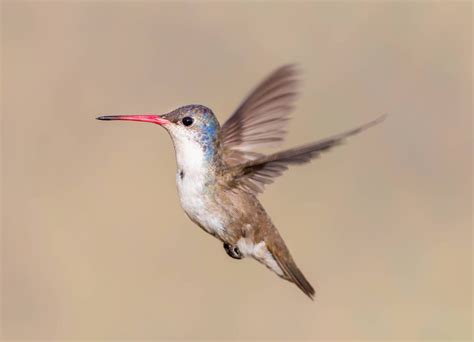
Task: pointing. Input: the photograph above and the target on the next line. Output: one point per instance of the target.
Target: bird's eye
(187, 121)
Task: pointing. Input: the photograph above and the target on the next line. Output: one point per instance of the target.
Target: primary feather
(261, 118)
(253, 175)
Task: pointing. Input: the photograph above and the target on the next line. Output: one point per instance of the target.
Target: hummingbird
(220, 172)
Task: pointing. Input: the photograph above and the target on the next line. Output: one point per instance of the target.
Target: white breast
(190, 180)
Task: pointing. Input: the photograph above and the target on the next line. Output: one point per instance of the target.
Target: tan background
(95, 244)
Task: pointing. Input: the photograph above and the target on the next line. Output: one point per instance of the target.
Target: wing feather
(253, 175)
(261, 118)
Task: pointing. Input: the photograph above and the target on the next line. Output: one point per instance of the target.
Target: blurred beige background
(94, 243)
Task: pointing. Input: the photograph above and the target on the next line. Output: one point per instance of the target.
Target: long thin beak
(156, 119)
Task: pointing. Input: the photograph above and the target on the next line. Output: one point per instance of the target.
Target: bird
(220, 171)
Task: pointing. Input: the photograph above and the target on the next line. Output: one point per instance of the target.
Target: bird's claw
(232, 251)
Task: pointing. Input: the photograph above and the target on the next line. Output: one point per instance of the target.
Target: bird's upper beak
(156, 119)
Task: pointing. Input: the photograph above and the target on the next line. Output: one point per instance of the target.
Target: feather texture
(261, 118)
(255, 174)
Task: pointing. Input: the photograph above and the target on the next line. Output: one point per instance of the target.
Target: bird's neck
(196, 159)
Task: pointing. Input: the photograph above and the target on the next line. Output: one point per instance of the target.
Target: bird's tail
(285, 262)
(293, 273)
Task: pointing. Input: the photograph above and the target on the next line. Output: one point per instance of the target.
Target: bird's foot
(232, 251)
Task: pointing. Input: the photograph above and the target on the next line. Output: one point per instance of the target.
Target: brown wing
(253, 175)
(261, 118)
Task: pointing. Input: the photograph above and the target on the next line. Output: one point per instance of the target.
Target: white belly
(196, 201)
(198, 204)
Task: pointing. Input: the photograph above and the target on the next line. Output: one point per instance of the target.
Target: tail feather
(293, 274)
(289, 271)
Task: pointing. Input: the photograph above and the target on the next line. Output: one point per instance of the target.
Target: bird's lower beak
(156, 119)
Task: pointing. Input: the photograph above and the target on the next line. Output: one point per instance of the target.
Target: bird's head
(189, 126)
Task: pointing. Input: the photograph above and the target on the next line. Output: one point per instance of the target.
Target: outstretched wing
(254, 174)
(261, 118)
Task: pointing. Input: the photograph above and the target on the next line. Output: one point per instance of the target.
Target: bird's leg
(232, 251)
